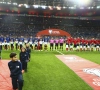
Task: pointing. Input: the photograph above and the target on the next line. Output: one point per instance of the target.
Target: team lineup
(52, 43)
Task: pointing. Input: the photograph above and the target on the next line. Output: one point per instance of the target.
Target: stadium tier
(30, 26)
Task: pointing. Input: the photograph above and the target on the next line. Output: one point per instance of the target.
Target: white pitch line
(60, 52)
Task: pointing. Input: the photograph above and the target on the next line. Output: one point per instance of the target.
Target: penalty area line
(60, 52)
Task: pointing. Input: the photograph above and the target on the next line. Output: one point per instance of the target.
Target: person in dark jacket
(28, 50)
(15, 68)
(23, 56)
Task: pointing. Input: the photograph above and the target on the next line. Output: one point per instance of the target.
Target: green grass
(46, 72)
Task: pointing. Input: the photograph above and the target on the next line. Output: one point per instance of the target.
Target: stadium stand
(26, 26)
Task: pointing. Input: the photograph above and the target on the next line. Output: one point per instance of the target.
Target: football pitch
(47, 72)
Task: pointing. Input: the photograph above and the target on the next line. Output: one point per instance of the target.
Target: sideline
(60, 52)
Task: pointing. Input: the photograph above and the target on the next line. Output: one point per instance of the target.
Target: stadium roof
(90, 8)
(62, 3)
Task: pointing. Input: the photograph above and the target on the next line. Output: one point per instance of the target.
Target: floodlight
(50, 7)
(8, 2)
(98, 7)
(43, 7)
(58, 8)
(83, 2)
(35, 6)
(20, 5)
(64, 7)
(15, 4)
(27, 6)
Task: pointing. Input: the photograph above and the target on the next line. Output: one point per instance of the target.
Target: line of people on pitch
(82, 47)
(37, 45)
(13, 44)
(55, 43)
(82, 44)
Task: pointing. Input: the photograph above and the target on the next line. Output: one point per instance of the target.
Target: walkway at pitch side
(5, 80)
(87, 70)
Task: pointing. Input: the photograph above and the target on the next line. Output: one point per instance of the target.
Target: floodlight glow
(89, 7)
(3, 2)
(64, 7)
(58, 8)
(50, 7)
(83, 2)
(92, 7)
(20, 5)
(8, 3)
(98, 7)
(15, 4)
(44, 7)
(72, 7)
(27, 6)
(35, 6)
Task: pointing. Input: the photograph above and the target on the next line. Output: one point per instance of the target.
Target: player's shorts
(97, 46)
(66, 46)
(81, 46)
